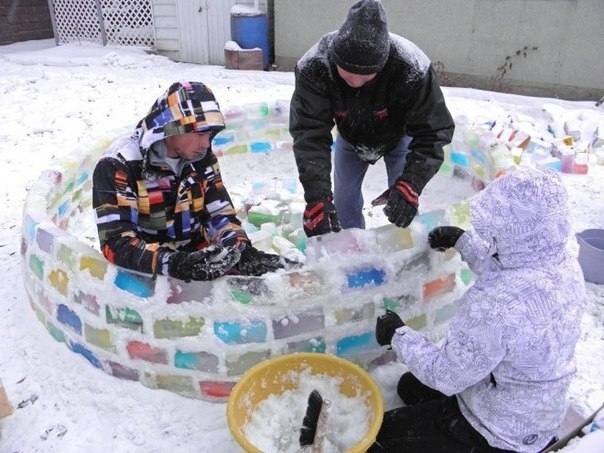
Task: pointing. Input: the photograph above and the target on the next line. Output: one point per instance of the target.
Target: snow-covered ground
(56, 97)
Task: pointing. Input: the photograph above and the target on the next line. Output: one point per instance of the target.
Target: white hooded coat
(509, 351)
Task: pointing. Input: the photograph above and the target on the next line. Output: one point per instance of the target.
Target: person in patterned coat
(499, 380)
(159, 200)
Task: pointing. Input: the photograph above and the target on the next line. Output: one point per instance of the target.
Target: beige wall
(471, 39)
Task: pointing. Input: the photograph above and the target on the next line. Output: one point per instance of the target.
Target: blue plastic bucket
(251, 31)
(591, 254)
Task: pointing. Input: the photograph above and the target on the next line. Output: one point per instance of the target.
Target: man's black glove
(444, 237)
(320, 217)
(207, 264)
(382, 198)
(385, 326)
(402, 204)
(256, 262)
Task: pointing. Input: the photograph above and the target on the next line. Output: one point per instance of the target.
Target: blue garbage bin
(249, 29)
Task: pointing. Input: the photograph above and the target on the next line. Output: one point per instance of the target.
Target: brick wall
(24, 20)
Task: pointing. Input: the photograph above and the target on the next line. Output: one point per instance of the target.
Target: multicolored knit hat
(185, 107)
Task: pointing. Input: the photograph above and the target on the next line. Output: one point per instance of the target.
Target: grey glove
(207, 264)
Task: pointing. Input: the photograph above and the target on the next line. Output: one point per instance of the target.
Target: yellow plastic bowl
(273, 377)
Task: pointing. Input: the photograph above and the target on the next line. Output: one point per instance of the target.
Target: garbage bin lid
(244, 10)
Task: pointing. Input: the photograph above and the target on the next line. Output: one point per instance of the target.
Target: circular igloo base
(198, 338)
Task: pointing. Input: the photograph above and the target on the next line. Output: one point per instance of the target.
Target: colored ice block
(238, 362)
(390, 238)
(123, 371)
(95, 265)
(59, 279)
(438, 286)
(260, 146)
(29, 227)
(36, 265)
(126, 317)
(87, 353)
(298, 323)
(146, 352)
(241, 332)
(246, 289)
(347, 345)
(69, 318)
(99, 337)
(45, 237)
(348, 315)
(445, 313)
(202, 361)
(314, 344)
(169, 328)
(360, 278)
(183, 385)
(139, 285)
(223, 139)
(460, 159)
(215, 389)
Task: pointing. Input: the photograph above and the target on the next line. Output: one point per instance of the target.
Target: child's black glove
(444, 237)
(385, 327)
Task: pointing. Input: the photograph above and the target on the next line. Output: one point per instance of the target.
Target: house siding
(24, 20)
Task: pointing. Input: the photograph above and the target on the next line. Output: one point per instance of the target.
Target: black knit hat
(362, 44)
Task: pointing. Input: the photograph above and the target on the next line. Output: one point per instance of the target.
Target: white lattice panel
(77, 20)
(115, 22)
(128, 22)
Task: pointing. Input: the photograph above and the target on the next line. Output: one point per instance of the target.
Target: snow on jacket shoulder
(509, 350)
(403, 98)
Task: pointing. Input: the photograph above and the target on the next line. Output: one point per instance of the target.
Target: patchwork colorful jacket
(145, 207)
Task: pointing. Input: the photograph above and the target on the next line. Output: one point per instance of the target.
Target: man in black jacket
(381, 92)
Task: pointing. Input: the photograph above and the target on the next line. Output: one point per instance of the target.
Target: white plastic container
(591, 254)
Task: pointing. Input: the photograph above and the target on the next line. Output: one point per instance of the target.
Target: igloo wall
(198, 338)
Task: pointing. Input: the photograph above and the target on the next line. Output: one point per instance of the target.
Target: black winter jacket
(404, 98)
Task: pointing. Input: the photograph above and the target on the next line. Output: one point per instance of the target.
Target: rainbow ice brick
(241, 332)
(460, 157)
(500, 159)
(260, 146)
(365, 276)
(133, 282)
(345, 241)
(248, 289)
(354, 345)
(266, 213)
(201, 360)
(390, 238)
(299, 322)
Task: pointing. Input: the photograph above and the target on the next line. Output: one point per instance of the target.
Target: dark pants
(430, 423)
